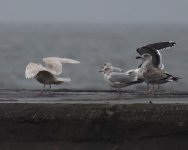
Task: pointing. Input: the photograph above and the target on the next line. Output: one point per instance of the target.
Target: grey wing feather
(54, 64)
(121, 77)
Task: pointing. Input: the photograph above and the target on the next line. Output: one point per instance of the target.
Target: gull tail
(68, 60)
(175, 78)
(63, 80)
(171, 78)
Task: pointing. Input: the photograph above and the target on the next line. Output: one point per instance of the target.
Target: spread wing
(153, 50)
(156, 56)
(121, 77)
(55, 64)
(162, 45)
(32, 69)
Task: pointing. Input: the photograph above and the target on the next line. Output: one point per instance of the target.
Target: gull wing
(162, 45)
(55, 64)
(64, 79)
(153, 50)
(32, 69)
(121, 77)
(156, 56)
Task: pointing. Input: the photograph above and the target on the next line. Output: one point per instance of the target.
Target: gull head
(107, 65)
(106, 70)
(145, 57)
(113, 69)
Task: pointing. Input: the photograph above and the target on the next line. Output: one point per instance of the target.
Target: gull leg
(49, 88)
(147, 89)
(119, 92)
(158, 89)
(153, 89)
(42, 90)
(150, 90)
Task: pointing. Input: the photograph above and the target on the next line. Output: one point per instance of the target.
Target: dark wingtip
(138, 50)
(161, 45)
(171, 43)
(176, 78)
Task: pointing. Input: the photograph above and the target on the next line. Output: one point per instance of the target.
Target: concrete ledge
(96, 122)
(93, 119)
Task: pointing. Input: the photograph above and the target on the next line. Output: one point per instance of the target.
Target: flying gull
(47, 74)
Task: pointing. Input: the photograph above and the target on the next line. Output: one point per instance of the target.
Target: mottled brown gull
(153, 75)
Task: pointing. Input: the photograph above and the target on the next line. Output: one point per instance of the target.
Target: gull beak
(102, 69)
(138, 57)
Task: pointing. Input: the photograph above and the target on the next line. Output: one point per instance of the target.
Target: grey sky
(123, 11)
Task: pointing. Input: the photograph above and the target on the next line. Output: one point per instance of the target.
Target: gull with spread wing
(153, 75)
(48, 74)
(154, 50)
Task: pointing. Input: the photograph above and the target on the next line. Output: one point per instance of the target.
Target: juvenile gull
(47, 74)
(154, 50)
(118, 80)
(153, 75)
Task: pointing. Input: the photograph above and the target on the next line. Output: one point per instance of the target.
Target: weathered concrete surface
(65, 96)
(84, 119)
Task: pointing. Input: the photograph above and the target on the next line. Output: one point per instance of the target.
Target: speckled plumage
(154, 75)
